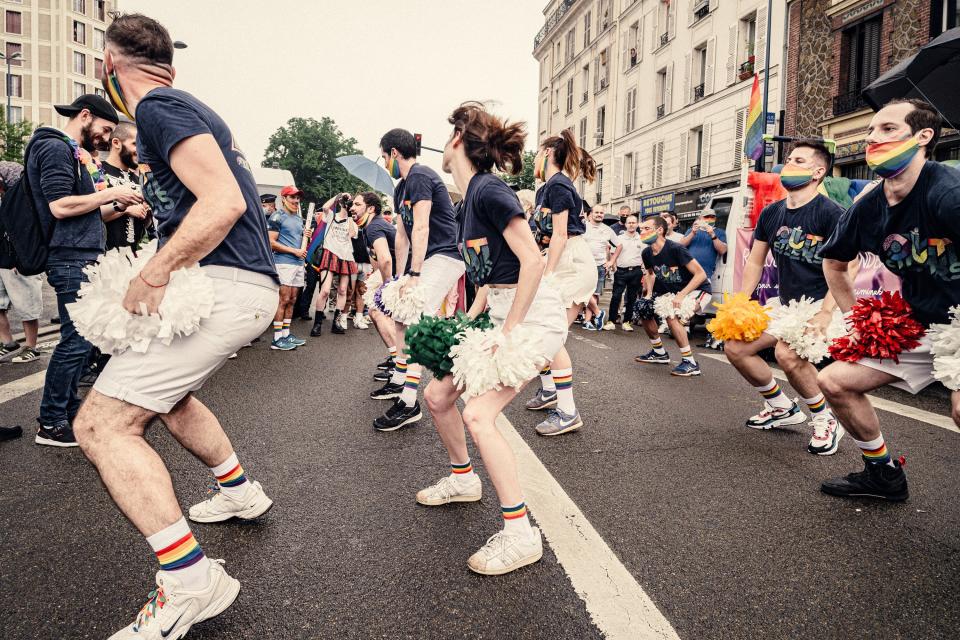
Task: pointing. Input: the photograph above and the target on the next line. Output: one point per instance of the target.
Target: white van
(730, 206)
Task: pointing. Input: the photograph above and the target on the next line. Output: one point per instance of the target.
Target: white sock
(411, 385)
(286, 326)
(462, 473)
(774, 395)
(184, 560)
(231, 477)
(516, 524)
(399, 371)
(546, 382)
(563, 379)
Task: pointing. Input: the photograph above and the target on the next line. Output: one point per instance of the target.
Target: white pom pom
(945, 346)
(390, 293)
(663, 306)
(368, 297)
(489, 360)
(791, 323)
(409, 307)
(100, 317)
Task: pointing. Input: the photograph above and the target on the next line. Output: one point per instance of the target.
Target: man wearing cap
(705, 242)
(268, 202)
(285, 227)
(61, 174)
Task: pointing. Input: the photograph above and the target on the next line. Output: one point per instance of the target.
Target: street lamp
(10, 59)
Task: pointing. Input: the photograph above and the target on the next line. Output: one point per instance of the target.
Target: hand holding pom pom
(485, 360)
(739, 318)
(430, 340)
(795, 324)
(669, 305)
(881, 329)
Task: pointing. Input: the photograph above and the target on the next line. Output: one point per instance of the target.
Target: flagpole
(762, 160)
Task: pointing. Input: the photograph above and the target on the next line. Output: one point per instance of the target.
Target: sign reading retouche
(660, 203)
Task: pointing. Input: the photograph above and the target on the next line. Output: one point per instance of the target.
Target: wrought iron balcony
(848, 103)
(627, 189)
(701, 10)
(661, 111)
(695, 172)
(664, 38)
(698, 92)
(552, 21)
(586, 96)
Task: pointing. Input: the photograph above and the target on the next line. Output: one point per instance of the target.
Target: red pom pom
(881, 329)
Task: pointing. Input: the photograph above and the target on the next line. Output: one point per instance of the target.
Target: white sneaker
(506, 552)
(172, 610)
(342, 321)
(359, 322)
(772, 417)
(219, 506)
(449, 489)
(827, 433)
(626, 326)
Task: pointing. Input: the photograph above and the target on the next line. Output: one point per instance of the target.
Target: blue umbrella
(368, 171)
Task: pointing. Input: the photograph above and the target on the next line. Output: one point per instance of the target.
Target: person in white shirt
(336, 260)
(600, 239)
(628, 274)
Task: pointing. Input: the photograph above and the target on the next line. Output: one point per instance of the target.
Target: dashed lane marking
(21, 387)
(617, 604)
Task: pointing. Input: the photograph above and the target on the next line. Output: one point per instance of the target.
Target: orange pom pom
(739, 318)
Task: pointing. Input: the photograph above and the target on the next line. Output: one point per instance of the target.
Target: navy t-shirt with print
(670, 268)
(488, 207)
(797, 238)
(423, 183)
(916, 239)
(556, 196)
(166, 117)
(379, 228)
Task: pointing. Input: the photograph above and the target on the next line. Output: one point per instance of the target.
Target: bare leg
(801, 374)
(441, 398)
(479, 416)
(342, 293)
(5, 334)
(198, 431)
(845, 384)
(651, 328)
(679, 333)
(30, 329)
(743, 356)
(325, 281)
(384, 326)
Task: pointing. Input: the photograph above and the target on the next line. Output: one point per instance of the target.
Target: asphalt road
(722, 526)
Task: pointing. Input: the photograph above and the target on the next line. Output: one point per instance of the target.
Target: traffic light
(419, 138)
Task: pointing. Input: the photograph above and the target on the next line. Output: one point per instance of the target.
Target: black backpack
(24, 243)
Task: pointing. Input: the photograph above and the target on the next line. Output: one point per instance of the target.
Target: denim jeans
(601, 280)
(60, 399)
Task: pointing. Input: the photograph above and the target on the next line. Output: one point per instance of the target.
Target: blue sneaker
(558, 423)
(282, 344)
(589, 326)
(295, 341)
(600, 320)
(686, 369)
(652, 357)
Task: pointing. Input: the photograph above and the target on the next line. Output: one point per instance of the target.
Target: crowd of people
(177, 174)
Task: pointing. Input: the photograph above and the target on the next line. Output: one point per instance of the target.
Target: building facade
(838, 47)
(657, 92)
(61, 45)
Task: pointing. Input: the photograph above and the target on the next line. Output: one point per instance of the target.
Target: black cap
(95, 104)
(268, 197)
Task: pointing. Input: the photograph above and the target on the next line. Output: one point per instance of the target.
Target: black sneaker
(305, 317)
(317, 326)
(57, 435)
(653, 357)
(398, 416)
(879, 481)
(386, 364)
(10, 433)
(383, 376)
(388, 391)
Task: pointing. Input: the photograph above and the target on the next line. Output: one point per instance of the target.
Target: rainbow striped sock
(177, 550)
(563, 379)
(658, 347)
(411, 383)
(230, 477)
(515, 518)
(286, 326)
(875, 451)
(399, 371)
(277, 329)
(393, 352)
(687, 354)
(461, 470)
(817, 404)
(774, 395)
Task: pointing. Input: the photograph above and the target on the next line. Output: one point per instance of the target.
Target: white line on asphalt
(590, 341)
(883, 404)
(618, 605)
(22, 387)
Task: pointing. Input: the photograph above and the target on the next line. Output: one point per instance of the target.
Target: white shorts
(23, 293)
(915, 368)
(437, 276)
(547, 314)
(291, 275)
(575, 275)
(244, 306)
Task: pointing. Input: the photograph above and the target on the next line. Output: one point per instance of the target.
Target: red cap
(290, 190)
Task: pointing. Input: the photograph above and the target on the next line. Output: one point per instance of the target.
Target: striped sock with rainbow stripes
(875, 451)
(774, 396)
(515, 519)
(411, 383)
(657, 345)
(180, 553)
(277, 330)
(286, 326)
(462, 471)
(563, 379)
(399, 370)
(230, 477)
(817, 405)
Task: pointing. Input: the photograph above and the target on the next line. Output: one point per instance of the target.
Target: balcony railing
(552, 21)
(848, 103)
(746, 70)
(661, 111)
(664, 38)
(586, 96)
(695, 172)
(701, 10)
(627, 189)
(698, 92)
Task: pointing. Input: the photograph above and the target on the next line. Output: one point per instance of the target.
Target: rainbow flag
(753, 140)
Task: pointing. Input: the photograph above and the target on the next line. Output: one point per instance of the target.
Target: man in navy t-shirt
(205, 202)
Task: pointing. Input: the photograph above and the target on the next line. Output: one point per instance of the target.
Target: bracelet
(155, 286)
(414, 274)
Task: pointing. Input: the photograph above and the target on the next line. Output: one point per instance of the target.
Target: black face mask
(623, 220)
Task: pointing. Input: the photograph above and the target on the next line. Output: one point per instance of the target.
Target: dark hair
(660, 223)
(141, 38)
(923, 116)
(624, 206)
(401, 140)
(819, 150)
(489, 141)
(571, 159)
(372, 200)
(123, 131)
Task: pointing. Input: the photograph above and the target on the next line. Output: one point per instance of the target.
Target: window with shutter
(682, 169)
(741, 116)
(14, 22)
(587, 23)
(761, 48)
(710, 64)
(583, 135)
(668, 90)
(705, 150)
(732, 54)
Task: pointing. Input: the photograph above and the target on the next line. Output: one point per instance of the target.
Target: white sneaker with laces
(219, 506)
(359, 322)
(172, 610)
(342, 321)
(772, 417)
(827, 433)
(449, 489)
(506, 552)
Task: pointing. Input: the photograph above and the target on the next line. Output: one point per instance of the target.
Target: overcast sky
(371, 65)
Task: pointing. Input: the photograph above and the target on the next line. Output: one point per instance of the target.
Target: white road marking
(937, 420)
(22, 386)
(618, 605)
(590, 341)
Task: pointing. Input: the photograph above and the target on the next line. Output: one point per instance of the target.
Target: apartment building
(61, 47)
(657, 92)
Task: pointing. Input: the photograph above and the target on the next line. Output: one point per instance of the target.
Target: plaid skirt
(329, 261)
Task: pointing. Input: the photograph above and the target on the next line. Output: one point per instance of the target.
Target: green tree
(309, 149)
(14, 138)
(525, 179)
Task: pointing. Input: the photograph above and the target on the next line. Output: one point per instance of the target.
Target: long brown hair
(489, 141)
(571, 159)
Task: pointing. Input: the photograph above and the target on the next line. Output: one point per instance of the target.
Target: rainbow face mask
(540, 170)
(650, 239)
(393, 168)
(112, 87)
(795, 177)
(889, 159)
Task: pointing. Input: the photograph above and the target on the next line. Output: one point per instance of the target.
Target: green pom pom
(429, 341)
